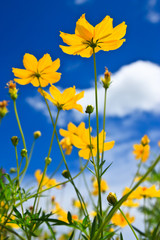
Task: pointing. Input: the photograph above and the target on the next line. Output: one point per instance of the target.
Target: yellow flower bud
(13, 91)
(48, 160)
(112, 199)
(3, 109)
(107, 78)
(23, 153)
(37, 134)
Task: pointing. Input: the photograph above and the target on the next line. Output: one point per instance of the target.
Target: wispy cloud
(153, 14)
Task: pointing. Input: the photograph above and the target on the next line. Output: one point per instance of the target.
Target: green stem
(104, 123)
(12, 231)
(124, 198)
(20, 196)
(144, 205)
(98, 170)
(46, 164)
(128, 223)
(22, 135)
(89, 121)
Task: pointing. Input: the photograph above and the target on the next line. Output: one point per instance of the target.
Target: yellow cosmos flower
(83, 142)
(120, 221)
(47, 182)
(66, 100)
(101, 37)
(77, 204)
(141, 152)
(66, 145)
(104, 187)
(141, 192)
(43, 70)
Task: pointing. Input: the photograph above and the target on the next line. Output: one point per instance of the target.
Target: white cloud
(135, 87)
(153, 15)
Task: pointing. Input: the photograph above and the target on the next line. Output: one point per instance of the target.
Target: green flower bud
(13, 170)
(48, 160)
(15, 140)
(112, 198)
(89, 109)
(66, 174)
(23, 153)
(37, 134)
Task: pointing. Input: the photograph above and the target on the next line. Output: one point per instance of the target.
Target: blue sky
(133, 100)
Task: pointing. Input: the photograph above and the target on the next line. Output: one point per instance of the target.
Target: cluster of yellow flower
(80, 138)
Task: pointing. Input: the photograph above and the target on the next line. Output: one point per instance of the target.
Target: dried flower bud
(15, 140)
(23, 153)
(3, 109)
(112, 199)
(66, 174)
(107, 78)
(48, 160)
(89, 109)
(13, 91)
(37, 134)
(53, 199)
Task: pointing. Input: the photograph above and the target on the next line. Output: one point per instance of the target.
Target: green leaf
(84, 237)
(51, 230)
(105, 170)
(71, 237)
(18, 214)
(69, 217)
(121, 236)
(93, 228)
(91, 171)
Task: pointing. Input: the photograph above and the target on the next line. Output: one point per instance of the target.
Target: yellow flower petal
(51, 77)
(23, 81)
(108, 145)
(55, 93)
(111, 45)
(44, 62)
(104, 28)
(21, 73)
(30, 62)
(84, 29)
(71, 39)
(73, 50)
(118, 32)
(85, 153)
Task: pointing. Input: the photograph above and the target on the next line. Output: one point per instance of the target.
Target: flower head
(141, 152)
(47, 182)
(66, 100)
(35, 72)
(120, 221)
(107, 79)
(13, 91)
(86, 38)
(87, 149)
